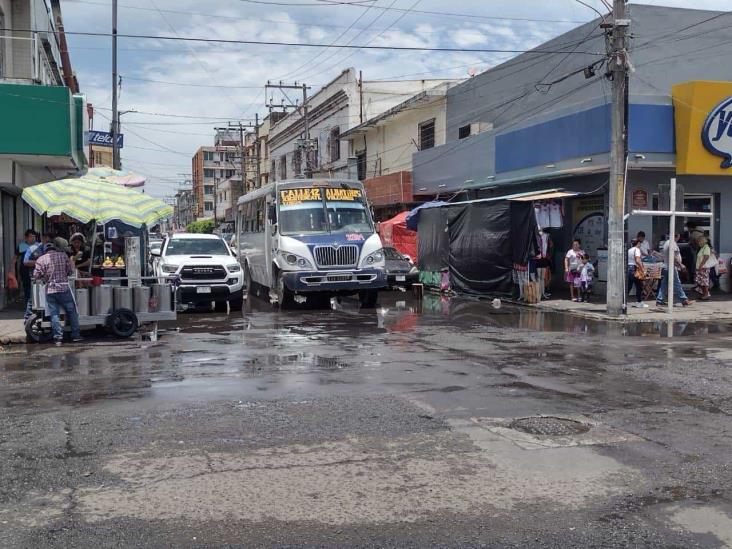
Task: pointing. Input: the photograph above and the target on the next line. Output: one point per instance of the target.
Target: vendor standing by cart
(80, 255)
(54, 268)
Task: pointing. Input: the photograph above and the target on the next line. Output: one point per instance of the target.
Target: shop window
(427, 135)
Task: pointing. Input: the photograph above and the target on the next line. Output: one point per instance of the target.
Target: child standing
(587, 273)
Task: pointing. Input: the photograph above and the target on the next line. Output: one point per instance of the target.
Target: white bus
(310, 238)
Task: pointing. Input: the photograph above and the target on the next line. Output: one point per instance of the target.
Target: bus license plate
(203, 290)
(401, 278)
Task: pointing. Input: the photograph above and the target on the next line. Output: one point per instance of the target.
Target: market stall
(394, 233)
(114, 292)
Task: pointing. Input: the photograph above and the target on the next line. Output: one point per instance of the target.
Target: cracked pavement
(355, 428)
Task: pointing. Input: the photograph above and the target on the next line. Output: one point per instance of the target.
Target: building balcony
(42, 126)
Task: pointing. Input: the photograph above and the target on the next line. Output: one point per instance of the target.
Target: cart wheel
(35, 332)
(122, 323)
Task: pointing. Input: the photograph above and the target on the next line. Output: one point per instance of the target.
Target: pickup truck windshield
(196, 246)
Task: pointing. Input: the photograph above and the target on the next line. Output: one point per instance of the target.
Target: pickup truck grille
(203, 272)
(340, 256)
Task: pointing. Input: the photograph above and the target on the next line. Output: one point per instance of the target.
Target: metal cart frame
(38, 325)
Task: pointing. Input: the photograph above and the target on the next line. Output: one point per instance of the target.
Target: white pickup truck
(207, 268)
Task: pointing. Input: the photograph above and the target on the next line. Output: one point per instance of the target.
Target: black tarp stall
(477, 242)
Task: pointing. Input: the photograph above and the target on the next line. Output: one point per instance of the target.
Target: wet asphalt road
(390, 427)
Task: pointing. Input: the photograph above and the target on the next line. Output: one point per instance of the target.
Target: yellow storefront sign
(703, 120)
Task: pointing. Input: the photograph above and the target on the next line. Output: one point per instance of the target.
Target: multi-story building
(551, 130)
(213, 165)
(347, 101)
(227, 194)
(383, 146)
(185, 208)
(256, 150)
(43, 116)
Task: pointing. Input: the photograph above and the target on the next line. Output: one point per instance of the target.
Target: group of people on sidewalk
(52, 261)
(579, 270)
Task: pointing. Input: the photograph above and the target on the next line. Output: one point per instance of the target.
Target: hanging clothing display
(549, 214)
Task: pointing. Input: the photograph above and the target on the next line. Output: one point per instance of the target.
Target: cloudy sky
(182, 90)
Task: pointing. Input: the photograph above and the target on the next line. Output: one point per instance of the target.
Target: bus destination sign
(314, 194)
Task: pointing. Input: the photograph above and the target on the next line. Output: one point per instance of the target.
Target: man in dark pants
(24, 273)
(54, 268)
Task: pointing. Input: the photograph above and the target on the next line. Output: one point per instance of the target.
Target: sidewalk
(718, 309)
(12, 328)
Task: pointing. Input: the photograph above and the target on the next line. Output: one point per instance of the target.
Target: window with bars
(334, 144)
(427, 135)
(361, 165)
(283, 166)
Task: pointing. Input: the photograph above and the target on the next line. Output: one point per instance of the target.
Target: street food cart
(116, 294)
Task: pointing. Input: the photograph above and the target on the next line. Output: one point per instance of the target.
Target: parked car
(207, 268)
(400, 271)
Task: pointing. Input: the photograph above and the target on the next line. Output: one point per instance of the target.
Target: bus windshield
(348, 217)
(303, 211)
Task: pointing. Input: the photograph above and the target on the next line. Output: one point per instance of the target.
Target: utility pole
(240, 127)
(115, 114)
(304, 145)
(619, 63)
(258, 151)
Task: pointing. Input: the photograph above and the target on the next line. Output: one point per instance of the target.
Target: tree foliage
(205, 226)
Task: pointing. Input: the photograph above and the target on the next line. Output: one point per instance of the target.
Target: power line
(289, 44)
(420, 12)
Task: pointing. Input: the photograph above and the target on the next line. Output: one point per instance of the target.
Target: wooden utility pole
(618, 152)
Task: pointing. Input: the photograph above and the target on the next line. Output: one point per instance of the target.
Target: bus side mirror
(272, 213)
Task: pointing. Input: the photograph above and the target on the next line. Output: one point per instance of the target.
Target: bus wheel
(248, 288)
(368, 298)
(284, 296)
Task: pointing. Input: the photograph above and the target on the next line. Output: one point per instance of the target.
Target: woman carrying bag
(705, 260)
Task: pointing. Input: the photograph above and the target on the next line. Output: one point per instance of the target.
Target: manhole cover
(550, 426)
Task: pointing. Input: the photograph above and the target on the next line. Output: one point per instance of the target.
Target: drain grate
(549, 426)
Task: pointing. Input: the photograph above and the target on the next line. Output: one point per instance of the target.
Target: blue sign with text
(104, 139)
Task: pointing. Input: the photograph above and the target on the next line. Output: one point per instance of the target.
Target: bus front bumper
(335, 281)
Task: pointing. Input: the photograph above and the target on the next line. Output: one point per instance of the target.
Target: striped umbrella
(90, 198)
(121, 177)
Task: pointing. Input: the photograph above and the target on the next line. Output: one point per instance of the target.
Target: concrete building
(257, 152)
(383, 146)
(523, 127)
(211, 165)
(43, 116)
(186, 208)
(340, 105)
(228, 192)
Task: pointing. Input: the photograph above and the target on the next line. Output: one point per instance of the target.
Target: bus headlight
(296, 261)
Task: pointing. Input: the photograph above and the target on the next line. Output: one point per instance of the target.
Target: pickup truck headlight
(296, 261)
(168, 268)
(235, 268)
(374, 259)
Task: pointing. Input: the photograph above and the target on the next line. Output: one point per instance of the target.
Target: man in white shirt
(643, 245)
(678, 289)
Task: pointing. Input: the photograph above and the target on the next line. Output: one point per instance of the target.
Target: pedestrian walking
(703, 264)
(636, 273)
(666, 271)
(572, 264)
(54, 268)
